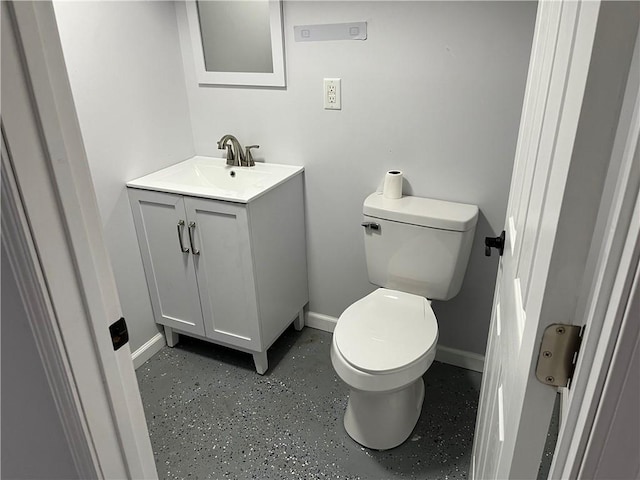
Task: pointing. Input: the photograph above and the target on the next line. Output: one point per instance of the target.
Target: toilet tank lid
(425, 212)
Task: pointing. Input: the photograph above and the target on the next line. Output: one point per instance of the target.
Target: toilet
(417, 250)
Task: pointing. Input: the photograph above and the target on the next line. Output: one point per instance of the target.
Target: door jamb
(31, 283)
(609, 288)
(61, 210)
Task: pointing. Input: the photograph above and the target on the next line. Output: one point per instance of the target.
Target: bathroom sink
(210, 177)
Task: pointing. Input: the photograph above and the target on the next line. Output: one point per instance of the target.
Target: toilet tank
(421, 245)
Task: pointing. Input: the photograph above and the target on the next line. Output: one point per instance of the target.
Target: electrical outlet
(332, 100)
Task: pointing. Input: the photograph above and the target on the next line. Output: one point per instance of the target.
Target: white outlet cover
(332, 94)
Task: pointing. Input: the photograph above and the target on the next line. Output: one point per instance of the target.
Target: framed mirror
(237, 42)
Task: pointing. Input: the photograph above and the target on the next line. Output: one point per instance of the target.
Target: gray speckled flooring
(211, 416)
(550, 444)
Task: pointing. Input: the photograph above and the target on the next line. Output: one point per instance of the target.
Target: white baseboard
(148, 350)
(460, 358)
(451, 356)
(321, 322)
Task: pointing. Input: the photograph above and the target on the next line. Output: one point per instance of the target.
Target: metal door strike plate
(558, 354)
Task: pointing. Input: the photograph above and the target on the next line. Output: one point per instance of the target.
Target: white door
(220, 232)
(162, 229)
(515, 408)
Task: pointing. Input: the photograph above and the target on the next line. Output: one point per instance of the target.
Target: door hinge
(119, 333)
(558, 354)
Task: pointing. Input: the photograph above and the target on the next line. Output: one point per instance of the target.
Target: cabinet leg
(171, 336)
(298, 323)
(261, 362)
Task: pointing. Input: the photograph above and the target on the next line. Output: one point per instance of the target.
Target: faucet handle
(248, 157)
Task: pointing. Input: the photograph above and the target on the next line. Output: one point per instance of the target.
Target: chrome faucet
(235, 156)
(234, 150)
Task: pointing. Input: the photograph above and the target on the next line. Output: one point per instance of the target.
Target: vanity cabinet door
(161, 226)
(224, 268)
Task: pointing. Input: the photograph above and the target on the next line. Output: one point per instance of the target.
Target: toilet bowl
(381, 347)
(416, 248)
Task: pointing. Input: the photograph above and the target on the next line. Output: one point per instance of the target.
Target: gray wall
(436, 91)
(33, 441)
(125, 70)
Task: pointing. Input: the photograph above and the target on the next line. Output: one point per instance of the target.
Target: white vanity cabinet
(231, 273)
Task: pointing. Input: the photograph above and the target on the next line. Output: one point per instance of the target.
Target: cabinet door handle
(192, 227)
(180, 227)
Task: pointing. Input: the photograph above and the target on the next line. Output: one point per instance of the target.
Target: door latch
(119, 333)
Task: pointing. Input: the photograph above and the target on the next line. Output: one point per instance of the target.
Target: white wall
(126, 75)
(34, 443)
(436, 90)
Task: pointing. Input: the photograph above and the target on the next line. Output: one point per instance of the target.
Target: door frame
(51, 221)
(31, 285)
(606, 290)
(66, 174)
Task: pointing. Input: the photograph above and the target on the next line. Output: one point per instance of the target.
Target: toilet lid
(386, 330)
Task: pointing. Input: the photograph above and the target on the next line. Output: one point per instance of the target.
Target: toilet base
(384, 420)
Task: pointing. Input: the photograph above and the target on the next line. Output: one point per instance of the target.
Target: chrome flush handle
(180, 228)
(192, 227)
(371, 226)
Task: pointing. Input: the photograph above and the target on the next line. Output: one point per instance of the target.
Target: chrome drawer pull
(180, 227)
(192, 226)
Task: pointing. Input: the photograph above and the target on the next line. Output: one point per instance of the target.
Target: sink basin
(211, 177)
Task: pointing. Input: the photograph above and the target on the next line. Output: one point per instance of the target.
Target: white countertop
(210, 177)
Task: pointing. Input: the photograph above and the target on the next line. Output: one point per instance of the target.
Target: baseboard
(460, 358)
(322, 322)
(148, 350)
(451, 356)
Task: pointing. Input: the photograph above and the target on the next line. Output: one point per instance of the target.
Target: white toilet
(416, 249)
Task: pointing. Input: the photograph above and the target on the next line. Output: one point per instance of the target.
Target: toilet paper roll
(392, 184)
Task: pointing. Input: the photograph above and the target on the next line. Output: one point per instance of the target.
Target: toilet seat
(387, 331)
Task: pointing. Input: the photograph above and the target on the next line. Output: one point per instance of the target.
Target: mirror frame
(275, 79)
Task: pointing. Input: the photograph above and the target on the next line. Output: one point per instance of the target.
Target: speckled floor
(211, 416)
(550, 444)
